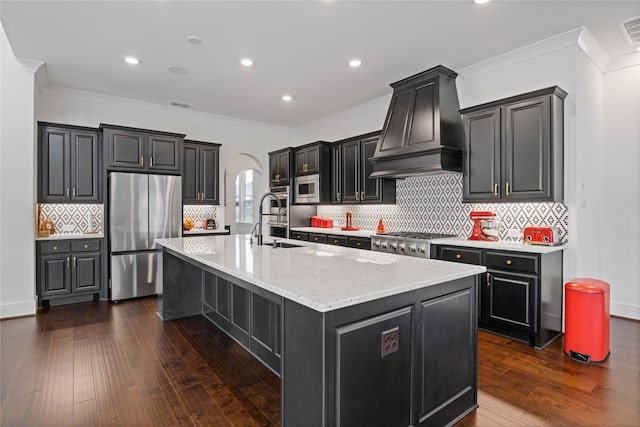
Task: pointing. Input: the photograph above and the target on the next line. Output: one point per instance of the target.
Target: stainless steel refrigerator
(141, 208)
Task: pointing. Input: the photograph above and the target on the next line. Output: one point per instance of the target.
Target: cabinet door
(125, 149)
(164, 152)
(350, 172)
(265, 330)
(318, 238)
(239, 327)
(54, 277)
(190, 174)
(313, 160)
(86, 271)
(85, 167)
(283, 168)
(274, 169)
(300, 162)
(370, 188)
(481, 164)
(209, 184)
(527, 150)
(336, 174)
(55, 159)
(510, 299)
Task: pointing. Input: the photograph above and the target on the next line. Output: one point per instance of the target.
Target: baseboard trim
(18, 309)
(628, 311)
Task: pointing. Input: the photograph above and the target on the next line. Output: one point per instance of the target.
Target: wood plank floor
(104, 364)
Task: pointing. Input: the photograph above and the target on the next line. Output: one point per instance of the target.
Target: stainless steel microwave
(307, 189)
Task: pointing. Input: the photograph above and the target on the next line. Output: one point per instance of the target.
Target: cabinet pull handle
(142, 161)
(335, 242)
(507, 186)
(358, 244)
(74, 192)
(508, 262)
(74, 262)
(357, 195)
(86, 246)
(277, 178)
(488, 280)
(68, 262)
(361, 195)
(338, 197)
(150, 161)
(458, 256)
(55, 248)
(197, 196)
(495, 189)
(67, 192)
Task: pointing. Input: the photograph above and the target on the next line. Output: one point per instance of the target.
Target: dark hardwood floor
(105, 364)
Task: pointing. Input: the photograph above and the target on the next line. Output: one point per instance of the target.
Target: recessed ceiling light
(355, 63)
(131, 60)
(286, 98)
(181, 71)
(194, 40)
(246, 62)
(481, 1)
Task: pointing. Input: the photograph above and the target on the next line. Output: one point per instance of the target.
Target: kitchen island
(357, 337)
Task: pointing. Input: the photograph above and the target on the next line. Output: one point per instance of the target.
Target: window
(244, 197)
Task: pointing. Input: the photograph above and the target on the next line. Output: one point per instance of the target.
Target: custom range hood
(423, 132)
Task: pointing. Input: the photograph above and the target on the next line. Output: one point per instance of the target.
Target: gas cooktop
(416, 235)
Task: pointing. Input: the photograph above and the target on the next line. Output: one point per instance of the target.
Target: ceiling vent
(630, 28)
(180, 104)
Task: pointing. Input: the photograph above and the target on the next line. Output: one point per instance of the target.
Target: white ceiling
(299, 47)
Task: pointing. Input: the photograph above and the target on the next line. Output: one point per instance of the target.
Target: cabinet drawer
(359, 243)
(512, 262)
(297, 235)
(86, 246)
(466, 255)
(337, 240)
(55, 247)
(317, 238)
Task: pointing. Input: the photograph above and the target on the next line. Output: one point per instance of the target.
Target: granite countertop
(201, 231)
(71, 236)
(321, 277)
(500, 244)
(335, 231)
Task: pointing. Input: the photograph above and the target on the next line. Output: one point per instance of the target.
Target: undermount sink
(283, 245)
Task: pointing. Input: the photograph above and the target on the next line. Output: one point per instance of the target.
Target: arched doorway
(243, 183)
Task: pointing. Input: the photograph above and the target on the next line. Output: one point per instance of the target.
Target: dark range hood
(423, 132)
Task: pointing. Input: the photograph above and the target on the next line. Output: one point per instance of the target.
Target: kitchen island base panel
(333, 371)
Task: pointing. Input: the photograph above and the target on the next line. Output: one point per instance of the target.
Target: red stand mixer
(485, 226)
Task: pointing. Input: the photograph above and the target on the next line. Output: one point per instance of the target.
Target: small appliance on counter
(380, 229)
(485, 226)
(547, 236)
(321, 222)
(209, 224)
(349, 226)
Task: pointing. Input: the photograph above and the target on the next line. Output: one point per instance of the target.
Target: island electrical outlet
(390, 341)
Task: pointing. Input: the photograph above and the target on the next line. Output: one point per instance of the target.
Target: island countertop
(321, 277)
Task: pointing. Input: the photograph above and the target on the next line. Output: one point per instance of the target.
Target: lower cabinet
(332, 239)
(520, 295)
(68, 270)
(251, 319)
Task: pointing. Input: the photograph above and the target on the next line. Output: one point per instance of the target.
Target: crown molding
(624, 61)
(29, 65)
(92, 97)
(580, 37)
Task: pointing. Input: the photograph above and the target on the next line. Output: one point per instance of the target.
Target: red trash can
(586, 326)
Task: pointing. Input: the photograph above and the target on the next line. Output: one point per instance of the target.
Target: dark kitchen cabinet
(141, 150)
(253, 319)
(336, 174)
(333, 239)
(318, 238)
(312, 158)
(68, 270)
(69, 164)
(521, 293)
(299, 235)
(355, 169)
(514, 148)
(280, 166)
(200, 173)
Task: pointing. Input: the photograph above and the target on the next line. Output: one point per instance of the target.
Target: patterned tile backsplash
(434, 204)
(198, 213)
(70, 218)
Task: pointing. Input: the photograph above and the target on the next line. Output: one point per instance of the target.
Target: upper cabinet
(514, 148)
(200, 174)
(356, 185)
(279, 166)
(69, 162)
(423, 130)
(312, 158)
(135, 150)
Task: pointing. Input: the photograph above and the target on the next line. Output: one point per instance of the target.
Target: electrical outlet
(390, 341)
(67, 228)
(514, 232)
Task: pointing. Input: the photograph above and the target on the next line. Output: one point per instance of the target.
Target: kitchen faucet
(260, 215)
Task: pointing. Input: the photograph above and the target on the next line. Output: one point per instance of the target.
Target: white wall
(17, 184)
(619, 223)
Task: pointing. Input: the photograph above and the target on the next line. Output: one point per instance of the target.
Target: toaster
(549, 236)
